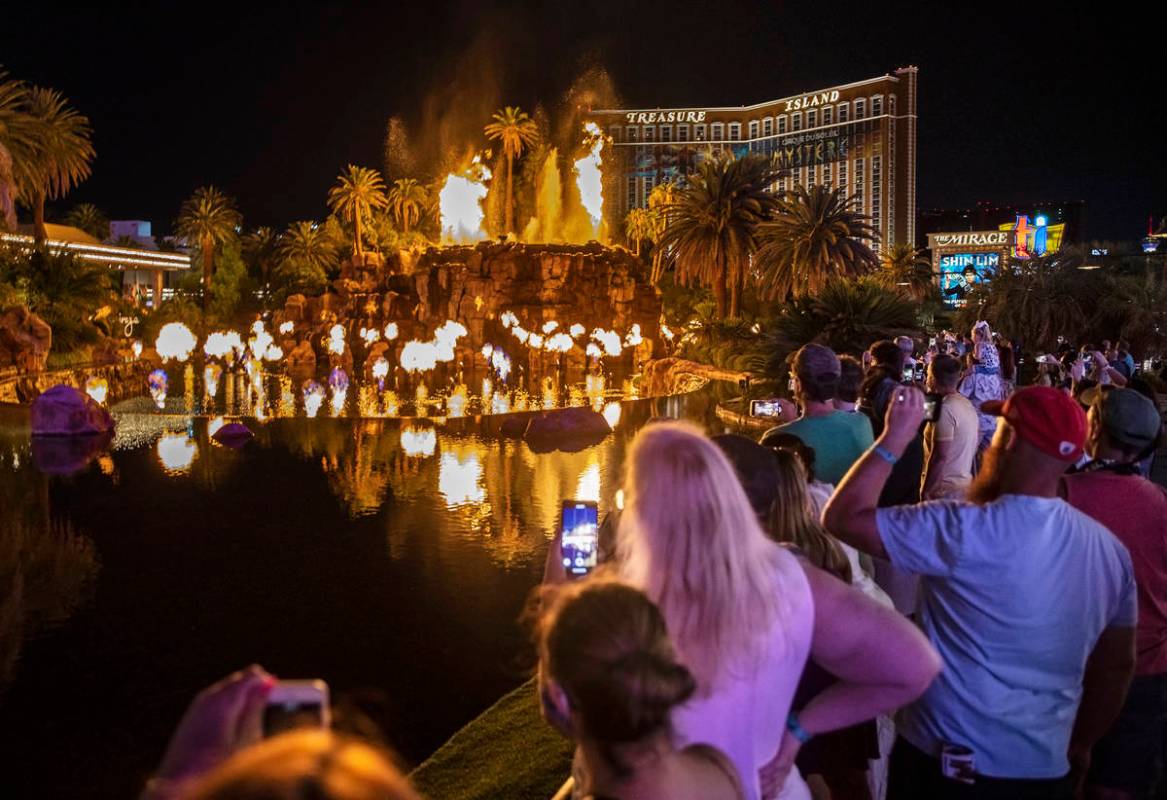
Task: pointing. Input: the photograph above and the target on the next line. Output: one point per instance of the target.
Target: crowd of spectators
(928, 584)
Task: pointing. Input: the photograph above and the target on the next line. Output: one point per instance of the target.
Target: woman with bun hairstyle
(609, 680)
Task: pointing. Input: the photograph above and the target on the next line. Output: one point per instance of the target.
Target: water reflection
(176, 453)
(460, 475)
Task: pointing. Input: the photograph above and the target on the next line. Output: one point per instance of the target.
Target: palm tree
(407, 201)
(846, 315)
(18, 141)
(358, 190)
(662, 197)
(711, 233)
(61, 156)
(1035, 299)
(815, 234)
(208, 218)
(260, 253)
(906, 267)
(307, 243)
(89, 218)
(515, 130)
(638, 227)
(306, 253)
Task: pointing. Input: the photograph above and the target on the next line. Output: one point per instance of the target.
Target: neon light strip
(105, 254)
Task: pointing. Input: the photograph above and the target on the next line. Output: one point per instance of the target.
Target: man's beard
(986, 486)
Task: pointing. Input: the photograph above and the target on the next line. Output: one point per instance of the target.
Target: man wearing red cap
(1030, 602)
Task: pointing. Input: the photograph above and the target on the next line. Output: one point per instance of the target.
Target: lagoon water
(390, 558)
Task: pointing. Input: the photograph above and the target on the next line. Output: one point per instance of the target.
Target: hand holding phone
(932, 403)
(766, 408)
(579, 537)
(296, 704)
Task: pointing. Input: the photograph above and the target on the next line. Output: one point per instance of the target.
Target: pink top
(1135, 511)
(744, 716)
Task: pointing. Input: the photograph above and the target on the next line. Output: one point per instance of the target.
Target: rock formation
(25, 340)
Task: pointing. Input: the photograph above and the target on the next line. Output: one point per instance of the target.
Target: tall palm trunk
(510, 226)
(720, 285)
(39, 231)
(208, 248)
(358, 252)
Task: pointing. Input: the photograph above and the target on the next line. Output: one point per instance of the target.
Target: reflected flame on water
(98, 389)
(460, 476)
(588, 486)
(611, 413)
(176, 453)
(419, 442)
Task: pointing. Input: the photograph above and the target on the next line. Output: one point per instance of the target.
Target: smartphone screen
(579, 536)
(296, 704)
(931, 407)
(765, 408)
(909, 372)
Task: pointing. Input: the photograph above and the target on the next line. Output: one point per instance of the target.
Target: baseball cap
(1047, 418)
(816, 361)
(1128, 417)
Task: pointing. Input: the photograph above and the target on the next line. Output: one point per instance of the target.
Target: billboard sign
(960, 272)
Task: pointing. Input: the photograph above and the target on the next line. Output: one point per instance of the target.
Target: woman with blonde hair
(745, 613)
(609, 679)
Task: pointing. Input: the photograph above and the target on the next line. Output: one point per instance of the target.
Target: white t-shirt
(959, 427)
(744, 716)
(1013, 595)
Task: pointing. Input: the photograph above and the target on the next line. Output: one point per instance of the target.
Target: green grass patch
(508, 751)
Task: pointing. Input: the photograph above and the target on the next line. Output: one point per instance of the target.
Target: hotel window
(735, 131)
(877, 105)
(666, 133)
(859, 187)
(649, 133)
(843, 177)
(827, 115)
(682, 133)
(796, 121)
(754, 129)
(860, 106)
(699, 132)
(614, 132)
(633, 133)
(632, 193)
(782, 124)
(876, 187)
(811, 118)
(809, 182)
(768, 126)
(717, 132)
(842, 112)
(827, 175)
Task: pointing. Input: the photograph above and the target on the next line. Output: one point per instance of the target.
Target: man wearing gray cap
(1123, 427)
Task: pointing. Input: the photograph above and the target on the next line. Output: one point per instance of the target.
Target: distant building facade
(860, 136)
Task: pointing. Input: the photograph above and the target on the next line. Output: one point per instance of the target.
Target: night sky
(1018, 103)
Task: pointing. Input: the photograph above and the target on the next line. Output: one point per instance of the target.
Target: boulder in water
(566, 429)
(233, 435)
(65, 411)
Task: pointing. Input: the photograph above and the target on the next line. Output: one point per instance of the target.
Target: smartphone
(920, 371)
(296, 704)
(931, 341)
(932, 406)
(790, 383)
(766, 408)
(579, 536)
(909, 372)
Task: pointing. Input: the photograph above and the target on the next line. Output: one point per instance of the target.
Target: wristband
(885, 454)
(796, 730)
